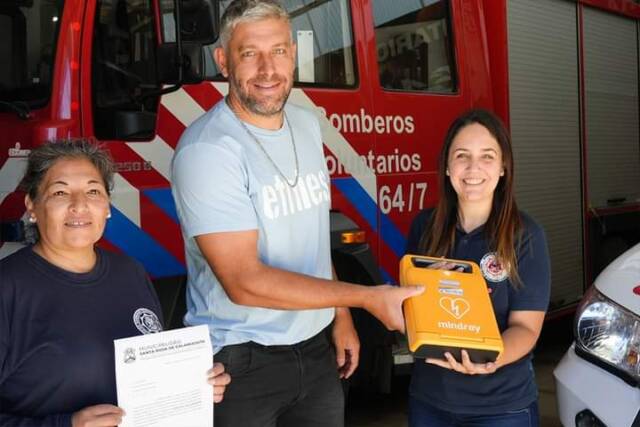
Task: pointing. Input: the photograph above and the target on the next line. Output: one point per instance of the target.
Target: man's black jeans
(281, 386)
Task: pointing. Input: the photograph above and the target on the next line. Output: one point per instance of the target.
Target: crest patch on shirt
(491, 269)
(146, 321)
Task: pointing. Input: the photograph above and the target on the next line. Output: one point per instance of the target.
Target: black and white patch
(146, 321)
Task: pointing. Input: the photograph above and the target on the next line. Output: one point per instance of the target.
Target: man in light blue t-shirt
(252, 192)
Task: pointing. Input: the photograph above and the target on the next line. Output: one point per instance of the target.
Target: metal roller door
(611, 108)
(545, 125)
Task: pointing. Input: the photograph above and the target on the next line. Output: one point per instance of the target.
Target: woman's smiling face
(71, 207)
(474, 164)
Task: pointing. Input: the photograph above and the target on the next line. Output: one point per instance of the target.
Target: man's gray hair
(42, 158)
(248, 10)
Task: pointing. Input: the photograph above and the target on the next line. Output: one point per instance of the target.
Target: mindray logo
(457, 307)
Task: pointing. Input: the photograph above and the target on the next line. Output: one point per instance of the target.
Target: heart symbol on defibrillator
(457, 307)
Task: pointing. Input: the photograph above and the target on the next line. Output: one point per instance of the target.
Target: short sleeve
(210, 188)
(534, 271)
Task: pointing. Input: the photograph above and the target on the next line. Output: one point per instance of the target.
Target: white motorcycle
(598, 379)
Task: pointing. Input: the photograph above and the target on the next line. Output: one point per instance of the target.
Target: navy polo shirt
(512, 387)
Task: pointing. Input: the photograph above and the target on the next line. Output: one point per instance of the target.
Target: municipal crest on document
(129, 355)
(146, 321)
(492, 270)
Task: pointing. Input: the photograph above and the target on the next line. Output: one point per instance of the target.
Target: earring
(502, 172)
(447, 172)
(32, 219)
(109, 215)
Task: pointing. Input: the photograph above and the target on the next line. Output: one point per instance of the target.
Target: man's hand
(386, 304)
(219, 380)
(97, 416)
(466, 367)
(346, 342)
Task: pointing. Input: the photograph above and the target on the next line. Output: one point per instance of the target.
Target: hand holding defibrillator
(466, 366)
(452, 323)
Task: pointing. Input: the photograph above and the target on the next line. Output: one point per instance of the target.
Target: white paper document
(162, 378)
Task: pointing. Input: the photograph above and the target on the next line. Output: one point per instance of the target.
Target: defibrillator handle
(461, 267)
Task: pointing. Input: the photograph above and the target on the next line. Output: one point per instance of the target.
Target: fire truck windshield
(29, 31)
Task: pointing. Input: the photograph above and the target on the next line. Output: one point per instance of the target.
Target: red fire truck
(385, 78)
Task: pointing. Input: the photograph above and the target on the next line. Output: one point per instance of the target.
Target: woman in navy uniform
(63, 300)
(477, 219)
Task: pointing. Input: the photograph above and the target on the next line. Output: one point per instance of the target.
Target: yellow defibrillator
(453, 313)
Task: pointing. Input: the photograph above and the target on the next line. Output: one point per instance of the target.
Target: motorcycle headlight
(609, 333)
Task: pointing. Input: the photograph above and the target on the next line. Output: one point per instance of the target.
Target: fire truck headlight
(609, 333)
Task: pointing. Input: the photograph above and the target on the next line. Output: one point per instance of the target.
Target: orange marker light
(350, 237)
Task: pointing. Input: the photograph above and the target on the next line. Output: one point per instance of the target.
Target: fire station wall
(545, 126)
(611, 108)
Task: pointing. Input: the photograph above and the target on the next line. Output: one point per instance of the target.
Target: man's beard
(267, 107)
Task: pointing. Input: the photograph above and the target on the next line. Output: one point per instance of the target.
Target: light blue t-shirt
(222, 181)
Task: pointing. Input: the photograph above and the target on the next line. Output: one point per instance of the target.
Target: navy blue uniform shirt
(57, 330)
(512, 387)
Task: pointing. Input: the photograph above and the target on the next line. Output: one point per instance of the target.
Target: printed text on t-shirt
(280, 199)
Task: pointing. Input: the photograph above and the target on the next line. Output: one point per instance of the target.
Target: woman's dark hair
(504, 225)
(42, 158)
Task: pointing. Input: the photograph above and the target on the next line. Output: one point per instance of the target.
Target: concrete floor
(390, 410)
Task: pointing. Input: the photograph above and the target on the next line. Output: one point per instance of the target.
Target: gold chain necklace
(293, 143)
